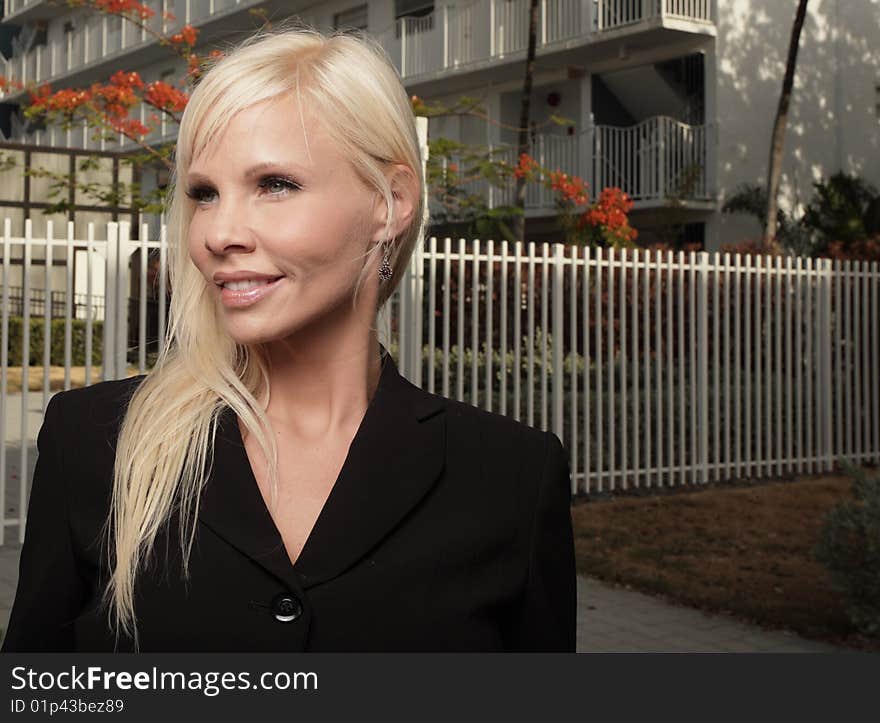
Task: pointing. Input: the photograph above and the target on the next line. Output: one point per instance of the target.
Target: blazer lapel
(395, 458)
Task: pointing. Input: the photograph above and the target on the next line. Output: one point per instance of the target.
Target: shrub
(849, 545)
(839, 209)
(77, 341)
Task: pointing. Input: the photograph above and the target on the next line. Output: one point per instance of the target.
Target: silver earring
(385, 267)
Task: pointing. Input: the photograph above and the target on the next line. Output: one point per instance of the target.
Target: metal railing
(482, 30)
(654, 369)
(451, 37)
(657, 159)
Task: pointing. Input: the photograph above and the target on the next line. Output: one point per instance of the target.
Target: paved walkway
(609, 620)
(616, 620)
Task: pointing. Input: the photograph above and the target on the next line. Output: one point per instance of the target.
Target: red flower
(122, 79)
(130, 126)
(40, 94)
(186, 36)
(165, 96)
(124, 7)
(7, 83)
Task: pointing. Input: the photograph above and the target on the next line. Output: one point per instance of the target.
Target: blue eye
(278, 185)
(198, 193)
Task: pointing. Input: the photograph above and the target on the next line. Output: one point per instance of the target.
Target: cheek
(196, 244)
(329, 244)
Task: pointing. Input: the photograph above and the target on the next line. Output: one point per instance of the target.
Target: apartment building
(670, 100)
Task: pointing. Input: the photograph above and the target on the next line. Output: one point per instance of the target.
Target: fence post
(419, 279)
(558, 352)
(418, 302)
(409, 318)
(47, 312)
(4, 364)
(825, 367)
(403, 312)
(122, 294)
(111, 300)
(410, 292)
(23, 499)
(402, 22)
(703, 271)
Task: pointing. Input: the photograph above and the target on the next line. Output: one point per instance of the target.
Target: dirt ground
(745, 550)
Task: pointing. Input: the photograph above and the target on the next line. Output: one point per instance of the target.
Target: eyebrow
(253, 170)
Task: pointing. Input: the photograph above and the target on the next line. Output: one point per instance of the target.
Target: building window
(352, 19)
(41, 32)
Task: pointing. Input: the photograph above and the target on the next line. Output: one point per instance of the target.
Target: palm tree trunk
(774, 169)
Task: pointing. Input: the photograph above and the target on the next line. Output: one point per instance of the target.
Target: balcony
(653, 161)
(97, 38)
(465, 35)
(21, 10)
(454, 37)
(80, 134)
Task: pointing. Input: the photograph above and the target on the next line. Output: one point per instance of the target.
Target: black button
(286, 607)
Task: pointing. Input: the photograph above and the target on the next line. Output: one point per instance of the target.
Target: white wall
(833, 124)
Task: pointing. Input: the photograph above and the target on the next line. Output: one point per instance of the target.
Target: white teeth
(243, 285)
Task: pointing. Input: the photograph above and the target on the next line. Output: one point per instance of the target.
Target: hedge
(77, 341)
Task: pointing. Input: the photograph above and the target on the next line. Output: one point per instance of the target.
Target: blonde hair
(168, 431)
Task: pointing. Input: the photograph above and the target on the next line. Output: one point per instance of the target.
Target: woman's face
(290, 221)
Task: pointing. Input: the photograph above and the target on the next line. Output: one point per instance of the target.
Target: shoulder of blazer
(462, 417)
(492, 425)
(97, 408)
(506, 453)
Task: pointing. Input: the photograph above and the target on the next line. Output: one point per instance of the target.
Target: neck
(322, 389)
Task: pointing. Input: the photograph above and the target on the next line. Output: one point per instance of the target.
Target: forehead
(279, 129)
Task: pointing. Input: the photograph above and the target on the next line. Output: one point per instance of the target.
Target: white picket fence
(654, 369)
(699, 367)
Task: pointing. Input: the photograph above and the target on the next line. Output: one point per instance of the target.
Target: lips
(237, 298)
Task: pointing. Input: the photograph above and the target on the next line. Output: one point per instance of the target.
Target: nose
(228, 231)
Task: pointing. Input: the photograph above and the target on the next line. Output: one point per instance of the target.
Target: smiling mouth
(244, 293)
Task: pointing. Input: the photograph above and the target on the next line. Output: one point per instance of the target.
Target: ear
(405, 189)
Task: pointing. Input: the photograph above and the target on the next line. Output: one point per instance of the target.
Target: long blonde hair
(168, 431)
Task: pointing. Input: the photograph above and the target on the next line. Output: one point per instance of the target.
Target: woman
(274, 483)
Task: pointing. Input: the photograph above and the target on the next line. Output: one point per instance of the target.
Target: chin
(250, 334)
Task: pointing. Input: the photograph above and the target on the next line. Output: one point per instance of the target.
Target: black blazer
(448, 529)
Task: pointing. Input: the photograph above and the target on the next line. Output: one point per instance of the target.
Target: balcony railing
(451, 37)
(482, 30)
(14, 6)
(81, 135)
(96, 36)
(653, 161)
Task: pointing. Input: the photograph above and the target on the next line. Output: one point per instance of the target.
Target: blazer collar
(395, 458)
